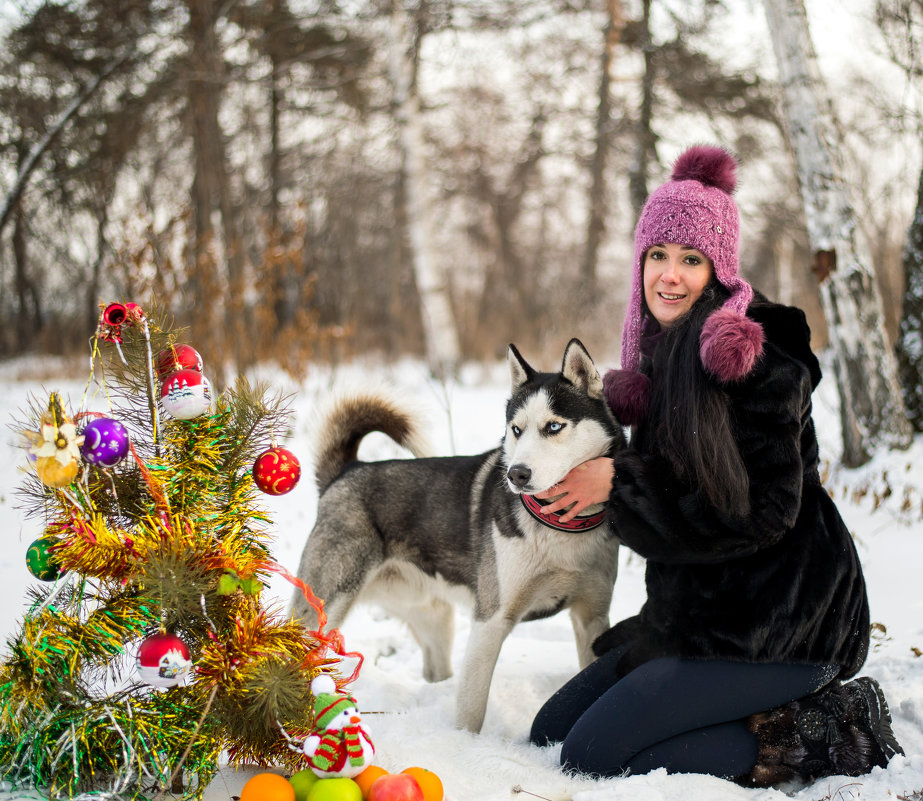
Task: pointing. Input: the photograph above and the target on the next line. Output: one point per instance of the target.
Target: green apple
(335, 790)
(303, 781)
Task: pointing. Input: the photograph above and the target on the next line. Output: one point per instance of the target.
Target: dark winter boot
(841, 730)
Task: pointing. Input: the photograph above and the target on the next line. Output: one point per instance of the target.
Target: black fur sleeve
(661, 519)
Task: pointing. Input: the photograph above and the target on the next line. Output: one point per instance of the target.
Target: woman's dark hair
(691, 415)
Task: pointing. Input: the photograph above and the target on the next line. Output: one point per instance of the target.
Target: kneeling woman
(756, 609)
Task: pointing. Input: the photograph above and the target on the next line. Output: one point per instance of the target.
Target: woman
(756, 605)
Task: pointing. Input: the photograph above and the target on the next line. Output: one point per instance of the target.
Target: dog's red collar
(533, 505)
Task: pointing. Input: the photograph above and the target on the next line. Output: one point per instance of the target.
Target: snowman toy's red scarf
(353, 744)
(336, 746)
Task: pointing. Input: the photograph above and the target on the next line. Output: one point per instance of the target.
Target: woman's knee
(560, 712)
(554, 720)
(600, 756)
(546, 729)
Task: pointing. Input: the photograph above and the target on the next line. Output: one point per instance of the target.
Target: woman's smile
(674, 278)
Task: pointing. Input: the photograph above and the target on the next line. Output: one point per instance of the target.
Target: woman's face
(674, 278)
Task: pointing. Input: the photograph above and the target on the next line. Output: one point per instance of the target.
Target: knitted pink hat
(694, 208)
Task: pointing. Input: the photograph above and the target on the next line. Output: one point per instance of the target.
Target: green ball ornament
(303, 781)
(41, 560)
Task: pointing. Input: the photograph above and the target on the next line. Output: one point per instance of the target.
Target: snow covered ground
(411, 721)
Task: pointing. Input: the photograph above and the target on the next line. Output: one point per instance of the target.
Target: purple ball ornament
(105, 442)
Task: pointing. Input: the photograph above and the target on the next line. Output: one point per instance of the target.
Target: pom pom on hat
(710, 166)
(696, 208)
(730, 344)
(323, 684)
(628, 394)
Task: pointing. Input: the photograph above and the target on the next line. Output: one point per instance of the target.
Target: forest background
(296, 182)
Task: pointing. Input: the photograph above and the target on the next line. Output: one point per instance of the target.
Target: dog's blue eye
(554, 428)
(516, 430)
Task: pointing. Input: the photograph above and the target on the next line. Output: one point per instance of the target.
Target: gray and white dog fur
(417, 535)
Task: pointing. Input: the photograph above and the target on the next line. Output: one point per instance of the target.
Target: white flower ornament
(56, 447)
(61, 442)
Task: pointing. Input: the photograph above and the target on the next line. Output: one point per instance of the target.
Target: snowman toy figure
(338, 746)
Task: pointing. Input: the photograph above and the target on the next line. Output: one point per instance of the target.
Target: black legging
(680, 714)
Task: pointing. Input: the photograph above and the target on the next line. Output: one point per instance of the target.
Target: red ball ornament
(276, 471)
(177, 357)
(163, 660)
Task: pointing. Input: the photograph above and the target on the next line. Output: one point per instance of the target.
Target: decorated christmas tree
(145, 653)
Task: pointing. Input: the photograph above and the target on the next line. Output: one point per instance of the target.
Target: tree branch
(40, 147)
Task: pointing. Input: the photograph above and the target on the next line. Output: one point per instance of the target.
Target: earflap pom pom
(628, 394)
(709, 165)
(730, 344)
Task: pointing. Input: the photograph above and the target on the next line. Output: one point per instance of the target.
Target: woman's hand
(587, 484)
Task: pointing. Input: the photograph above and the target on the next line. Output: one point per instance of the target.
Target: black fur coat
(784, 584)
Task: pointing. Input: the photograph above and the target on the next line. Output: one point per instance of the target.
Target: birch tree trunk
(442, 342)
(871, 410)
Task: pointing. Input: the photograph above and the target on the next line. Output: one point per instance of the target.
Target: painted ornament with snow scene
(163, 660)
(186, 394)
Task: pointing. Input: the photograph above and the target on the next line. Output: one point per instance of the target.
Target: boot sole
(879, 715)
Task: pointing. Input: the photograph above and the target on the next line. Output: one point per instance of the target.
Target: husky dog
(416, 535)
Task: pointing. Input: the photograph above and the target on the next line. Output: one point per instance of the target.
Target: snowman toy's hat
(328, 704)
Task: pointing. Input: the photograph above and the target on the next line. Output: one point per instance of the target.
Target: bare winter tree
(508, 299)
(681, 76)
(645, 145)
(28, 164)
(301, 52)
(871, 410)
(206, 81)
(67, 121)
(596, 226)
(443, 351)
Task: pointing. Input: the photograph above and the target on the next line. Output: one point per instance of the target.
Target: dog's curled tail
(353, 415)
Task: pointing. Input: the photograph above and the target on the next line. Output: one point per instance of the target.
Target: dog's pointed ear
(520, 371)
(579, 369)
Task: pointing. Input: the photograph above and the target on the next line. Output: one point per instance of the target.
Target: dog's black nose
(519, 474)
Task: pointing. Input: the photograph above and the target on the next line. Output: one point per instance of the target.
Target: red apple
(395, 787)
